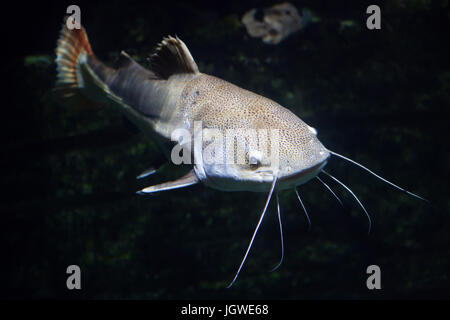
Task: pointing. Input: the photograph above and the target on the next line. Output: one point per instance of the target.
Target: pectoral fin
(150, 171)
(187, 180)
(146, 173)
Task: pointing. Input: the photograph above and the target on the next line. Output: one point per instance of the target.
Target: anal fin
(185, 181)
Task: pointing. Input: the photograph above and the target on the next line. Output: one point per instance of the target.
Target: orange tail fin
(72, 51)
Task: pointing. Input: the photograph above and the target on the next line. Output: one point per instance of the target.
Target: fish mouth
(304, 175)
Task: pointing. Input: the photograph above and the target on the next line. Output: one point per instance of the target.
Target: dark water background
(381, 97)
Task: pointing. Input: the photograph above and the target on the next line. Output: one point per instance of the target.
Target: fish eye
(255, 166)
(254, 159)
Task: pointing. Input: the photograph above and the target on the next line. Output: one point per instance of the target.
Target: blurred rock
(277, 22)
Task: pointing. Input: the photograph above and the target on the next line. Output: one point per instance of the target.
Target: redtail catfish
(172, 97)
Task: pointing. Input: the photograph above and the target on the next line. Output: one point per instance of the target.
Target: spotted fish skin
(173, 94)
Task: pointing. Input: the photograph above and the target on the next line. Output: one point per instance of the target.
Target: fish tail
(75, 62)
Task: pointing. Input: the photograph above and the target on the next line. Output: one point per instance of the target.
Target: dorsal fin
(171, 57)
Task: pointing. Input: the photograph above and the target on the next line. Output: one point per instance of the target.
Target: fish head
(302, 155)
(276, 143)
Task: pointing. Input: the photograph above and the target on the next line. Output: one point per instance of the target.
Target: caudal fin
(72, 52)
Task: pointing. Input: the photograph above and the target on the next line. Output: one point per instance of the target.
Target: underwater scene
(95, 207)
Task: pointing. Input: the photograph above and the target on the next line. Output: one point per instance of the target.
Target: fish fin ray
(72, 50)
(172, 56)
(80, 75)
